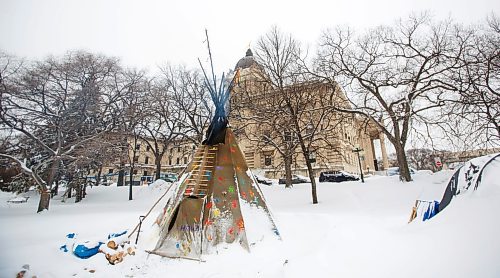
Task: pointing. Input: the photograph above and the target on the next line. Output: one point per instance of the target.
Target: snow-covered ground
(356, 230)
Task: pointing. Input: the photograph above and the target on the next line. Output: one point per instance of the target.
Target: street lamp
(357, 150)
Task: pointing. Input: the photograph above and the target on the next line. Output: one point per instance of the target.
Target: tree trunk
(288, 171)
(158, 167)
(310, 171)
(56, 189)
(52, 173)
(313, 181)
(305, 152)
(404, 170)
(44, 200)
(78, 190)
(84, 190)
(121, 176)
(98, 178)
(45, 190)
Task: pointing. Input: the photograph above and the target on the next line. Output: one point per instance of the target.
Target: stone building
(178, 155)
(263, 158)
(333, 152)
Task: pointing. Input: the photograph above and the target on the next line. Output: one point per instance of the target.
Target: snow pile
(465, 180)
(356, 230)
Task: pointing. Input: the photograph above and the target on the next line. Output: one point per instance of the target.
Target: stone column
(374, 154)
(385, 161)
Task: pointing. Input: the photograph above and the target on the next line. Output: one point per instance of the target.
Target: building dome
(246, 61)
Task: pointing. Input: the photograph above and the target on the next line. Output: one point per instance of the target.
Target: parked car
(263, 180)
(134, 183)
(394, 171)
(169, 177)
(295, 179)
(147, 179)
(336, 176)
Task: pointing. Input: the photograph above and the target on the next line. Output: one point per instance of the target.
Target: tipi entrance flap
(184, 238)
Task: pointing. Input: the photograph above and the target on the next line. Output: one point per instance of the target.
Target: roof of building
(246, 61)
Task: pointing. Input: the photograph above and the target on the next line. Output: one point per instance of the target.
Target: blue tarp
(87, 249)
(432, 210)
(83, 251)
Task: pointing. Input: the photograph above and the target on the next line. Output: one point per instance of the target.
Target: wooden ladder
(202, 171)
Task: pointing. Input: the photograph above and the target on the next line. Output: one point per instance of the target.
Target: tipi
(214, 200)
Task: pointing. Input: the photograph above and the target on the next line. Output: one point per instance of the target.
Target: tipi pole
(174, 257)
(151, 209)
(211, 62)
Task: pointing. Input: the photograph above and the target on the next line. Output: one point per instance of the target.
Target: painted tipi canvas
(212, 205)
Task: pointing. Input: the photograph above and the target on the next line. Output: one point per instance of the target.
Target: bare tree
(162, 123)
(394, 75)
(60, 105)
(304, 104)
(133, 87)
(474, 113)
(258, 110)
(421, 159)
(279, 54)
(188, 93)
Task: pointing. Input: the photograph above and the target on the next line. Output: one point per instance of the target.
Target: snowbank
(356, 230)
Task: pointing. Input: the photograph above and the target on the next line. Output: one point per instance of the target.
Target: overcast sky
(147, 33)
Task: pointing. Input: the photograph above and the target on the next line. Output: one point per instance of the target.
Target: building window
(268, 160)
(178, 161)
(135, 172)
(185, 160)
(169, 161)
(309, 129)
(312, 157)
(146, 173)
(287, 136)
(110, 171)
(136, 159)
(148, 148)
(137, 146)
(178, 149)
(146, 160)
